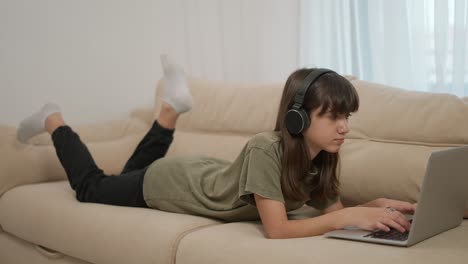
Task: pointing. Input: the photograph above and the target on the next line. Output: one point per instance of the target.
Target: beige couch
(384, 156)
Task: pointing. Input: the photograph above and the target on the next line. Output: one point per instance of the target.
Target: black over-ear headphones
(297, 119)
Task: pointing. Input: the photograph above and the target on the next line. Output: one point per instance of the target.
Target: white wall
(100, 59)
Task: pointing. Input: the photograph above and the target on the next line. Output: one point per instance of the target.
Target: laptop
(440, 207)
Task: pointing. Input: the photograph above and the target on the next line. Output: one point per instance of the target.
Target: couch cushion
(100, 131)
(372, 169)
(48, 214)
(14, 250)
(246, 243)
(230, 107)
(400, 116)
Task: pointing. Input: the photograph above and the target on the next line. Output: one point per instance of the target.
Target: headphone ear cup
(296, 121)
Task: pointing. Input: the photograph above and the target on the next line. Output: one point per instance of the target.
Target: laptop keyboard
(393, 234)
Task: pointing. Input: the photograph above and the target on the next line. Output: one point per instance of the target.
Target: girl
(276, 171)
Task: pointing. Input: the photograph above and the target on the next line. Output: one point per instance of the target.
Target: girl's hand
(403, 207)
(369, 218)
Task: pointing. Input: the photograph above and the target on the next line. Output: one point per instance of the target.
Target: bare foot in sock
(35, 124)
(176, 90)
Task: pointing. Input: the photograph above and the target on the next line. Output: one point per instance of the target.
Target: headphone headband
(308, 81)
(297, 119)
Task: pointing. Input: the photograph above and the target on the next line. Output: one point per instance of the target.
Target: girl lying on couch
(276, 171)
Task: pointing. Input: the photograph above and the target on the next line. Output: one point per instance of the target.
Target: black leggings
(92, 185)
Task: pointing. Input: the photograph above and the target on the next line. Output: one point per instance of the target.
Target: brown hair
(330, 91)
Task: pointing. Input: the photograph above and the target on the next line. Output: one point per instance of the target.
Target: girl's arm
(334, 207)
(277, 225)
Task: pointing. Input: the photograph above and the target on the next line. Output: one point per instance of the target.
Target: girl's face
(326, 132)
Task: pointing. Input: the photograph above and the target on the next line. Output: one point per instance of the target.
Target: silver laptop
(440, 207)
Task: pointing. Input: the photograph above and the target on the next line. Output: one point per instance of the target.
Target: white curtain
(240, 41)
(413, 44)
(78, 52)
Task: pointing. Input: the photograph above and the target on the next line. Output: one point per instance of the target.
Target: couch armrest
(110, 143)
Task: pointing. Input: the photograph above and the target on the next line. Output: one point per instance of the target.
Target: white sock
(35, 124)
(176, 90)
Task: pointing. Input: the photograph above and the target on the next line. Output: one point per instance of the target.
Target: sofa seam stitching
(176, 243)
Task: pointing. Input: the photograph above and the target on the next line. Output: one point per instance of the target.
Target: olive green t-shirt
(217, 188)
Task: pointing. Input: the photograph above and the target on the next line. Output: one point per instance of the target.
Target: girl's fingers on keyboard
(382, 227)
(393, 224)
(401, 220)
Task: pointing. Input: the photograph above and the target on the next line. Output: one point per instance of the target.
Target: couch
(384, 155)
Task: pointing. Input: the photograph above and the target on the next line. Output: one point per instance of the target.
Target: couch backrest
(385, 154)
(398, 115)
(224, 117)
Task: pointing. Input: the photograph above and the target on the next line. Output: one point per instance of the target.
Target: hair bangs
(339, 97)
